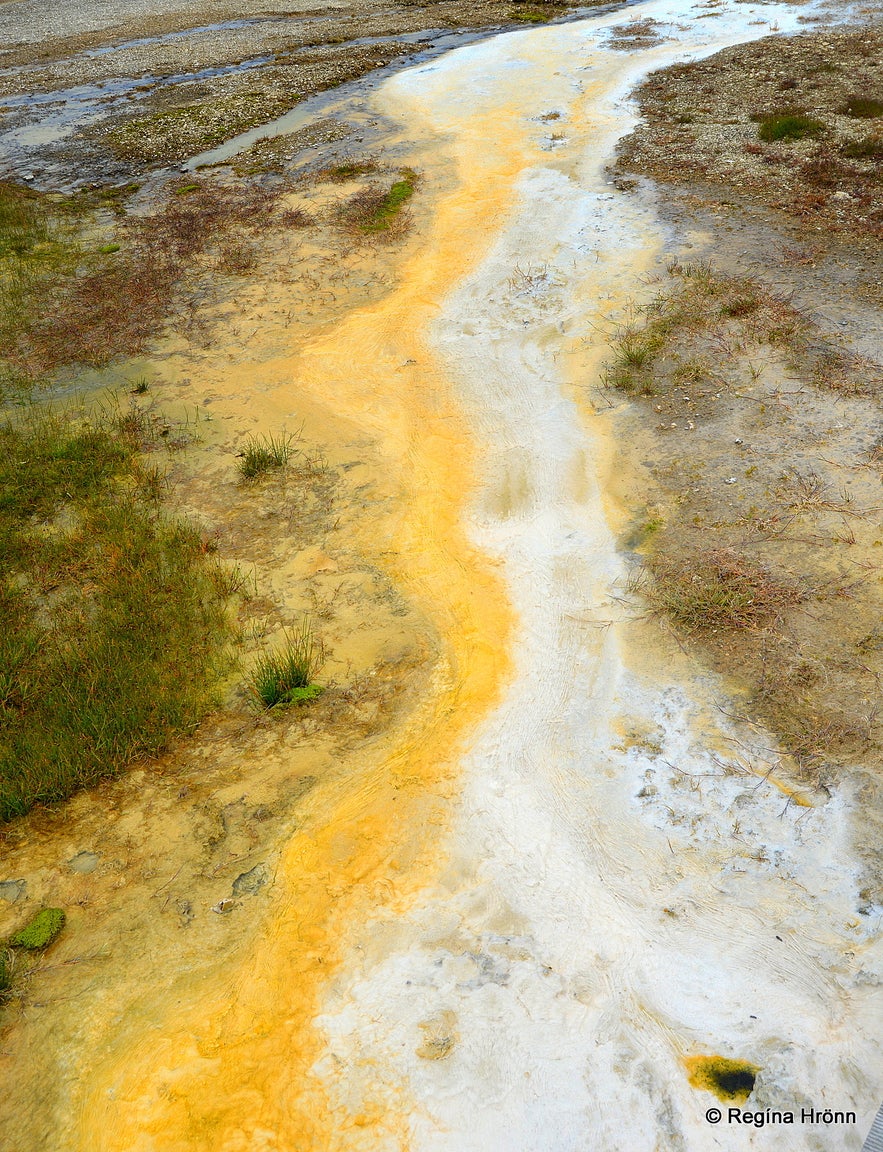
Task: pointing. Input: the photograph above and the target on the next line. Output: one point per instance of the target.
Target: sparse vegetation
(719, 590)
(373, 210)
(748, 560)
(113, 619)
(262, 454)
(803, 157)
(287, 676)
(61, 303)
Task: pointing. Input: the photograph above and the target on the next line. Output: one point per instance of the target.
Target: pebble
(12, 890)
(84, 862)
(249, 883)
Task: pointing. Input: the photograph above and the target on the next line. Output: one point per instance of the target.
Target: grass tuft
(864, 108)
(719, 590)
(870, 148)
(788, 126)
(286, 676)
(264, 453)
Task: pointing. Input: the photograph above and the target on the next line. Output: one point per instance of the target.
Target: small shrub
(788, 126)
(864, 108)
(41, 931)
(263, 453)
(286, 676)
(296, 218)
(741, 306)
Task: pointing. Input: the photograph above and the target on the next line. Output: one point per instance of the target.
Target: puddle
(46, 118)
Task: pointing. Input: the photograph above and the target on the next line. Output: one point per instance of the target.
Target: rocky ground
(101, 93)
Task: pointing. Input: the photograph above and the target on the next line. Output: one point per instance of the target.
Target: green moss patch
(41, 931)
(535, 15)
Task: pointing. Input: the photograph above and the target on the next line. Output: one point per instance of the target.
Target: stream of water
(581, 941)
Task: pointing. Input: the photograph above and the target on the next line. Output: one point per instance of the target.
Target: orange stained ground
(231, 1070)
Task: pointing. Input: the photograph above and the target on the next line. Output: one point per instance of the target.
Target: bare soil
(702, 127)
(751, 441)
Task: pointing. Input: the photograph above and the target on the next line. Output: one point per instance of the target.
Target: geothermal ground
(578, 851)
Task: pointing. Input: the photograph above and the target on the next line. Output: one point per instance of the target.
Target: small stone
(84, 862)
(224, 906)
(250, 883)
(12, 890)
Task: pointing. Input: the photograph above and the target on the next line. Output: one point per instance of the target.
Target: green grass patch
(263, 454)
(113, 620)
(340, 173)
(864, 108)
(41, 931)
(788, 126)
(374, 210)
(286, 676)
(532, 15)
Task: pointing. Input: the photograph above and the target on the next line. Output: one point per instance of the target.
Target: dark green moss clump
(864, 108)
(730, 1080)
(41, 931)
